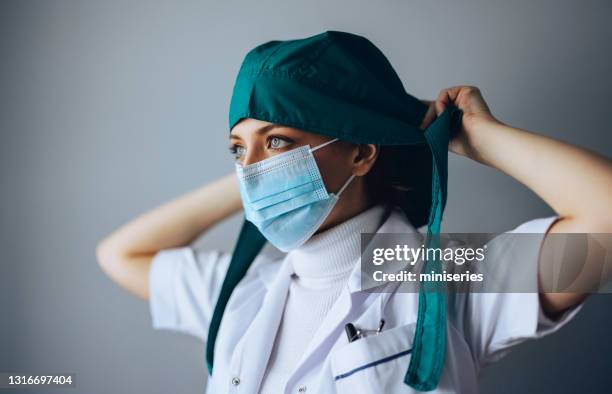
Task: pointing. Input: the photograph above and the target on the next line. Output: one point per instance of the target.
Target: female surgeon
(328, 145)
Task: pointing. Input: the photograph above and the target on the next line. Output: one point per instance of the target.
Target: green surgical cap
(341, 85)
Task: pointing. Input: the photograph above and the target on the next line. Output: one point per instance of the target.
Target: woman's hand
(575, 183)
(476, 113)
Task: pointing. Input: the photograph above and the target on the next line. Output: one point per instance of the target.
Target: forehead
(249, 126)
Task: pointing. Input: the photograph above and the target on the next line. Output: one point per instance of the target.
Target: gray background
(109, 108)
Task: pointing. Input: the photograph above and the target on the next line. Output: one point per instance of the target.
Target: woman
(328, 145)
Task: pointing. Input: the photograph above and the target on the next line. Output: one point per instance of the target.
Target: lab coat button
(235, 381)
(302, 389)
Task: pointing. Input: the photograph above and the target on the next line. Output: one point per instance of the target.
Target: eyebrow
(261, 130)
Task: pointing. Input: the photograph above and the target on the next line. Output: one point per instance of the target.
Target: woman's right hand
(126, 254)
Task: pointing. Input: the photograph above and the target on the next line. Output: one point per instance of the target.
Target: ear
(364, 159)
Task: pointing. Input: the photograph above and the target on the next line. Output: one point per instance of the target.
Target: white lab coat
(184, 285)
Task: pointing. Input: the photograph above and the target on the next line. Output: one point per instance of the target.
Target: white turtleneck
(321, 268)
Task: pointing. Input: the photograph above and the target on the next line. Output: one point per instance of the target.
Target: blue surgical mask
(285, 197)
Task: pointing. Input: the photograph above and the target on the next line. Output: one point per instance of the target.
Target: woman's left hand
(475, 114)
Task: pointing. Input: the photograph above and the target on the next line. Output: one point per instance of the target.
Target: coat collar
(259, 338)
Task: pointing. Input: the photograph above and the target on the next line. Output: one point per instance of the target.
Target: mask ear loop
(345, 185)
(323, 144)
(348, 180)
(351, 177)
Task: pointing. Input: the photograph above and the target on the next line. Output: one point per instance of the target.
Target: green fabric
(250, 242)
(340, 85)
(335, 83)
(429, 344)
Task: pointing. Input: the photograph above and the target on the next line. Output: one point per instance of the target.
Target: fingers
(465, 97)
(447, 96)
(430, 115)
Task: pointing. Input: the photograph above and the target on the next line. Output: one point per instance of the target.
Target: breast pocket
(374, 364)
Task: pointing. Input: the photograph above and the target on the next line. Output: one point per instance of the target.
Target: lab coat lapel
(328, 332)
(259, 338)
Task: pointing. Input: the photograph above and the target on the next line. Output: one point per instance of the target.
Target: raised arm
(126, 254)
(576, 183)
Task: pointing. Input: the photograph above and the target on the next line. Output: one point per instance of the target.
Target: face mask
(285, 197)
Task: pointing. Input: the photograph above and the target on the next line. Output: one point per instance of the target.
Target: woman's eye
(237, 151)
(278, 143)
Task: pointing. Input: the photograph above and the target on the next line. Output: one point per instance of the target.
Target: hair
(401, 177)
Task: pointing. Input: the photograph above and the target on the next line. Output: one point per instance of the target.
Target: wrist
(480, 134)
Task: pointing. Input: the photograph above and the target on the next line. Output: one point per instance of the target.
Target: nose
(252, 156)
